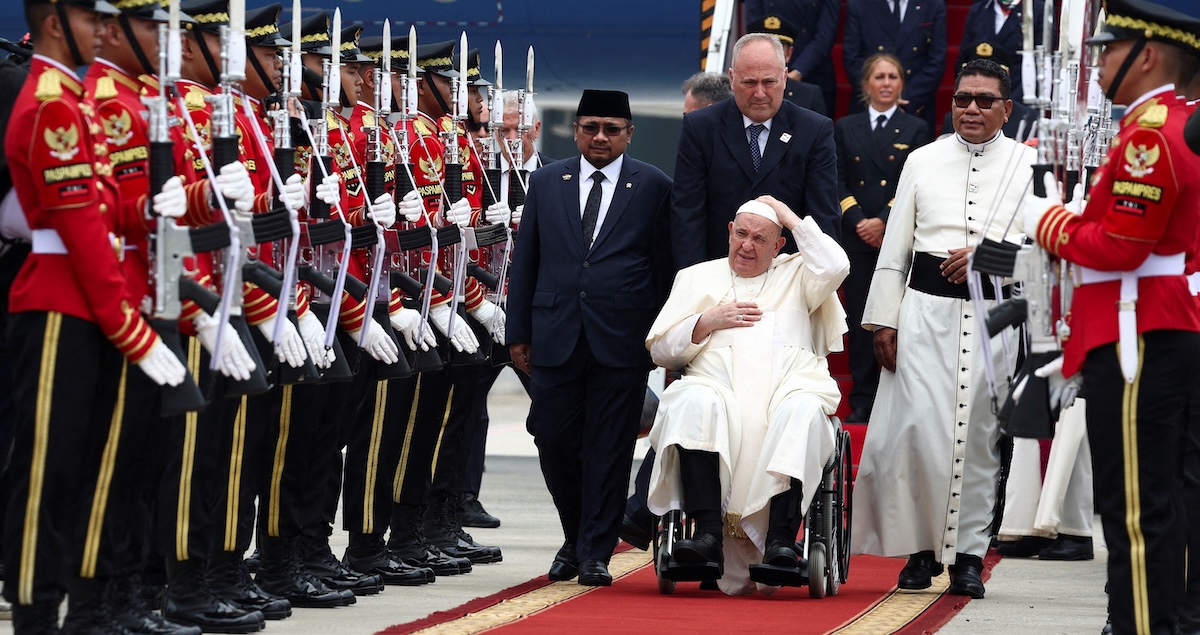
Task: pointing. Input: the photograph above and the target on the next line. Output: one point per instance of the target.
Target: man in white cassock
(927, 481)
(743, 436)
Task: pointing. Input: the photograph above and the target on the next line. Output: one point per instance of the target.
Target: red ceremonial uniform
(1142, 201)
(65, 185)
(426, 160)
(473, 182)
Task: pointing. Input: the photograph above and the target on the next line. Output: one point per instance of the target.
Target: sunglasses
(610, 130)
(983, 101)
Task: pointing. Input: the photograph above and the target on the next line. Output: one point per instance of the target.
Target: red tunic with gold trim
(426, 160)
(473, 182)
(64, 182)
(1144, 200)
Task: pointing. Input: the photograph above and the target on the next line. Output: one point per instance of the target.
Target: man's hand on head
(787, 217)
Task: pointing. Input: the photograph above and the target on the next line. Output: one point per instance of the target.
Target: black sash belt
(926, 277)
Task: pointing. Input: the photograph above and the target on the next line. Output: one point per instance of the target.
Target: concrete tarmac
(1023, 596)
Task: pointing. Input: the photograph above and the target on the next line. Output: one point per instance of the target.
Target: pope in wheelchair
(743, 437)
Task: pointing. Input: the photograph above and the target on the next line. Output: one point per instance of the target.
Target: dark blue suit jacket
(919, 42)
(714, 175)
(611, 293)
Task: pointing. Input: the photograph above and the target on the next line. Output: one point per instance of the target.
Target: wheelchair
(826, 530)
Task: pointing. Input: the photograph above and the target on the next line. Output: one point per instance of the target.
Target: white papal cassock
(928, 475)
(757, 396)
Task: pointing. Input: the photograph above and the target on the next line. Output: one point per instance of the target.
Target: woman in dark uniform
(871, 147)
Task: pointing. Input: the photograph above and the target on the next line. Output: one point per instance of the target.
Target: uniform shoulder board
(447, 124)
(105, 89)
(368, 120)
(193, 99)
(1153, 117)
(422, 128)
(330, 120)
(49, 85)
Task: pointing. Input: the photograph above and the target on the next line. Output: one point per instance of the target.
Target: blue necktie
(753, 130)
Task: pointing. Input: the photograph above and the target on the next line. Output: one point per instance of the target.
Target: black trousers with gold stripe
(384, 430)
(66, 375)
(1136, 432)
(454, 451)
(435, 435)
(244, 456)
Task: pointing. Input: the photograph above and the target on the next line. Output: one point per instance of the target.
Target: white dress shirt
(762, 136)
(611, 172)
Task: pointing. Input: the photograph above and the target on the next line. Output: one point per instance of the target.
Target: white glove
(516, 214)
(497, 213)
(290, 349)
(462, 339)
(1062, 389)
(492, 318)
(313, 333)
(329, 190)
(411, 207)
(233, 182)
(162, 367)
(459, 213)
(378, 344)
(235, 362)
(1034, 207)
(292, 195)
(408, 322)
(1077, 202)
(171, 202)
(383, 210)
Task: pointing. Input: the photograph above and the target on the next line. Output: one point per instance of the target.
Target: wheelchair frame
(827, 525)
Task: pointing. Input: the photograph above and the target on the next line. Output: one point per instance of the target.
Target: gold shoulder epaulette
(49, 85)
(422, 128)
(193, 99)
(330, 120)
(105, 89)
(368, 120)
(1153, 117)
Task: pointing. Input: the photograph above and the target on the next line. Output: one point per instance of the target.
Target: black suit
(714, 175)
(919, 41)
(869, 166)
(585, 314)
(816, 24)
(981, 27)
(805, 96)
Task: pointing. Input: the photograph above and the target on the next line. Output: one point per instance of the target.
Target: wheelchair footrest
(692, 571)
(772, 575)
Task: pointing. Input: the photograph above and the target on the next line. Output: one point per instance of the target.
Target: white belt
(47, 241)
(1154, 265)
(1194, 283)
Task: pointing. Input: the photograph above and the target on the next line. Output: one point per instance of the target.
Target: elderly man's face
(975, 123)
(753, 242)
(758, 78)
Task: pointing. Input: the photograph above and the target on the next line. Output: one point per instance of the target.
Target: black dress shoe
(1068, 547)
(699, 549)
(594, 573)
(635, 533)
(565, 565)
(918, 573)
(858, 415)
(472, 514)
(781, 566)
(1025, 547)
(966, 576)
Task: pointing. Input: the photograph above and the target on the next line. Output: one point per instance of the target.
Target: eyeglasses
(610, 129)
(983, 101)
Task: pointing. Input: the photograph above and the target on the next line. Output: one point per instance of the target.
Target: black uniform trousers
(1136, 432)
(65, 381)
(450, 462)
(383, 429)
(187, 519)
(423, 437)
(584, 418)
(1189, 615)
(864, 369)
(332, 433)
(243, 450)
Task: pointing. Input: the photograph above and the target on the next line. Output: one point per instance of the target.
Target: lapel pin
(628, 186)
(566, 177)
(785, 137)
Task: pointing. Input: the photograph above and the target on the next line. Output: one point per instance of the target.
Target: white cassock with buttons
(928, 476)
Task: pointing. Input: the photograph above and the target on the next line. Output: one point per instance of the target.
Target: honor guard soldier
(1134, 323)
(71, 325)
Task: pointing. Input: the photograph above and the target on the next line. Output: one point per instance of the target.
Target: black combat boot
(441, 528)
(124, 597)
(229, 580)
(189, 600)
(282, 574)
(367, 554)
(319, 562)
(39, 618)
(87, 611)
(409, 545)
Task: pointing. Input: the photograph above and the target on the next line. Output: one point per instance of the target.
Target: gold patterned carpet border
(896, 610)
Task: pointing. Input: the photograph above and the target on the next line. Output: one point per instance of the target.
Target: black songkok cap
(604, 103)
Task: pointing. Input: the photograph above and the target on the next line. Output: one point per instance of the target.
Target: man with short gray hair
(704, 89)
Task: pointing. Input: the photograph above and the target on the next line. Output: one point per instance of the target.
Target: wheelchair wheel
(844, 491)
(816, 570)
(670, 531)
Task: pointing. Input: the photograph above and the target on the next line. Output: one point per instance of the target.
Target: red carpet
(867, 603)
